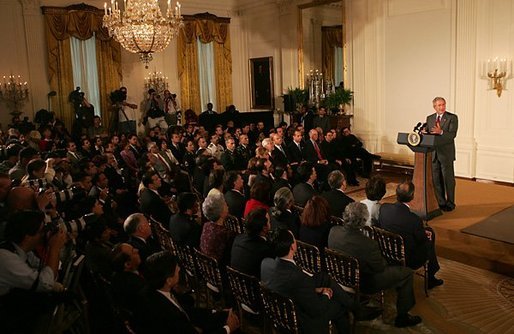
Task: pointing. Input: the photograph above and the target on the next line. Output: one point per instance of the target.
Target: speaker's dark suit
(375, 274)
(248, 252)
(302, 193)
(184, 230)
(398, 219)
(314, 310)
(443, 157)
(337, 201)
(162, 316)
(152, 204)
(236, 203)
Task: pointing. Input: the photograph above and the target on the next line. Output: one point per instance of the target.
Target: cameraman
(25, 279)
(154, 112)
(126, 117)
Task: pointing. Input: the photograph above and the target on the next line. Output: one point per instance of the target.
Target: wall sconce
(497, 71)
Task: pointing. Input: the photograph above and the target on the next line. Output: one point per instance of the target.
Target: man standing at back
(444, 124)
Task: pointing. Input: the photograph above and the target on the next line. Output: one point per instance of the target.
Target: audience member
(315, 223)
(283, 214)
(183, 226)
(336, 198)
(375, 190)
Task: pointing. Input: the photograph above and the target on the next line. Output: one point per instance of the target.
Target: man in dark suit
(278, 155)
(336, 197)
(166, 313)
(150, 201)
(177, 147)
(318, 300)
(419, 240)
(313, 154)
(295, 149)
(183, 227)
(443, 124)
(375, 273)
(331, 152)
(353, 148)
(250, 248)
(235, 196)
(140, 235)
(229, 158)
(304, 190)
(209, 118)
(243, 152)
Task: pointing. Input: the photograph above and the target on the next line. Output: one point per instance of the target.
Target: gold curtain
(208, 28)
(82, 22)
(331, 37)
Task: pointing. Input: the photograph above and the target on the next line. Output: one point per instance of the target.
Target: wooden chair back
(280, 311)
(308, 257)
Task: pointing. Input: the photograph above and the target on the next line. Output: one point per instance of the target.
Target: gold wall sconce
(497, 71)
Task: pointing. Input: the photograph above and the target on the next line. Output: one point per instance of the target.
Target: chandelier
(142, 28)
(157, 81)
(14, 92)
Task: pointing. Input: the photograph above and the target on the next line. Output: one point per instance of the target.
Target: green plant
(299, 96)
(339, 97)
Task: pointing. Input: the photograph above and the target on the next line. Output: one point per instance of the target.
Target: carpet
(499, 226)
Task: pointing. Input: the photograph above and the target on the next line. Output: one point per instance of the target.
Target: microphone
(416, 128)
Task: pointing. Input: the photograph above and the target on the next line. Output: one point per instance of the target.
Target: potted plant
(297, 97)
(337, 100)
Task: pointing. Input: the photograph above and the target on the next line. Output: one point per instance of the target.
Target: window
(206, 73)
(85, 71)
(338, 66)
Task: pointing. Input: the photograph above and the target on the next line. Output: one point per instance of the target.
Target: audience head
(137, 225)
(283, 199)
(27, 154)
(306, 172)
(124, 257)
(355, 215)
(313, 135)
(5, 186)
(260, 191)
(26, 226)
(284, 243)
(316, 212)
(336, 180)
(36, 169)
(214, 207)
(405, 192)
(187, 201)
(233, 180)
(162, 271)
(257, 222)
(21, 198)
(151, 180)
(375, 188)
(279, 171)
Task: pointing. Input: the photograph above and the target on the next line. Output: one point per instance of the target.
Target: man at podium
(444, 124)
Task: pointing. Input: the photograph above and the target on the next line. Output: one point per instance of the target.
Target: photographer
(25, 279)
(84, 112)
(126, 117)
(154, 113)
(171, 108)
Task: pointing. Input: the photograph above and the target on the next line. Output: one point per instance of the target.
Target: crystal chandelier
(142, 28)
(14, 92)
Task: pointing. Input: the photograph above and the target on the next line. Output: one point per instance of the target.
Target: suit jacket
(243, 154)
(310, 154)
(128, 290)
(278, 157)
(337, 201)
(295, 154)
(289, 280)
(445, 151)
(248, 253)
(162, 316)
(398, 219)
(302, 193)
(236, 203)
(229, 160)
(145, 248)
(184, 230)
(179, 152)
(152, 204)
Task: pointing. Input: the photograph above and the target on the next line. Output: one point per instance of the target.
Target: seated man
(355, 149)
(140, 235)
(336, 197)
(183, 227)
(419, 240)
(151, 201)
(26, 281)
(164, 313)
(375, 273)
(318, 300)
(250, 248)
(306, 189)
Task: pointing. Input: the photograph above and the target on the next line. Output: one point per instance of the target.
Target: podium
(424, 203)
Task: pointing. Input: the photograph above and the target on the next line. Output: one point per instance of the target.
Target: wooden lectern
(425, 203)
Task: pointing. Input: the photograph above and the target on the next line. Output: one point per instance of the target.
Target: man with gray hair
(336, 197)
(375, 273)
(140, 235)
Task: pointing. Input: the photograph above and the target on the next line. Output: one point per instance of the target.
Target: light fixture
(14, 92)
(142, 28)
(497, 71)
(157, 81)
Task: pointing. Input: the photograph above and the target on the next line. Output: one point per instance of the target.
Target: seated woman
(216, 240)
(315, 223)
(259, 197)
(375, 190)
(283, 214)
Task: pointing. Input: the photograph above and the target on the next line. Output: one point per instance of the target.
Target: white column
(35, 41)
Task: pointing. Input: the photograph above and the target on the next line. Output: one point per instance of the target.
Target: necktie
(438, 120)
(317, 150)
